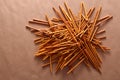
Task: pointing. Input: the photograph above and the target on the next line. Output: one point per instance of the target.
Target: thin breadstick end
(100, 32)
(46, 17)
(28, 27)
(50, 64)
(110, 17)
(37, 54)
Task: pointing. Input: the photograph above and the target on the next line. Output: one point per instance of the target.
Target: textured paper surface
(17, 61)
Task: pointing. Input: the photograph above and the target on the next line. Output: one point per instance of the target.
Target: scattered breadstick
(71, 40)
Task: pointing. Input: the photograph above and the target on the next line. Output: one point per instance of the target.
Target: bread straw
(71, 40)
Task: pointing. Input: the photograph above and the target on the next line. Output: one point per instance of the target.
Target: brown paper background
(17, 61)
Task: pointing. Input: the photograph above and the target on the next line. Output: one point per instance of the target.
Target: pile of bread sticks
(71, 39)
